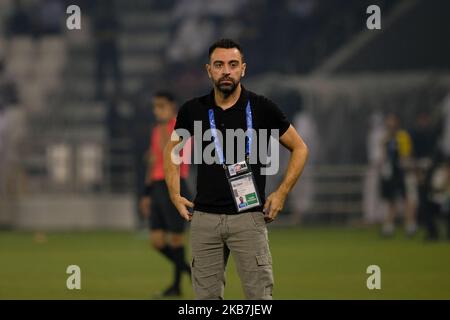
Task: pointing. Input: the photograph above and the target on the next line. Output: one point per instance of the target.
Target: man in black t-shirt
(231, 127)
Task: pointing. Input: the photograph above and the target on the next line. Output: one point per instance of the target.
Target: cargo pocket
(258, 280)
(205, 278)
(264, 262)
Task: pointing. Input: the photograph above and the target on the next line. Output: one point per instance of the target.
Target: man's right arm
(172, 177)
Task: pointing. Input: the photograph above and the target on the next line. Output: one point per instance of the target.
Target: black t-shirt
(424, 141)
(213, 192)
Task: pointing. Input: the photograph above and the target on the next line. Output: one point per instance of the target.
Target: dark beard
(227, 89)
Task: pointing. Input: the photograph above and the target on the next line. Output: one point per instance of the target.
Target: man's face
(163, 109)
(392, 123)
(226, 69)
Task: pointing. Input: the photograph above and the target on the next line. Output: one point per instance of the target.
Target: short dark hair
(225, 44)
(165, 94)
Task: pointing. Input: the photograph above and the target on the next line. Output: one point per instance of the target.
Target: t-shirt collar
(239, 105)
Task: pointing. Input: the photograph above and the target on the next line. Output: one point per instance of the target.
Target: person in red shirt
(166, 225)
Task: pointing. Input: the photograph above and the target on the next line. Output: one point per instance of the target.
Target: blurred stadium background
(75, 119)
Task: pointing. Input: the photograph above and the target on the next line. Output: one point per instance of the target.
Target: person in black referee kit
(166, 225)
(230, 210)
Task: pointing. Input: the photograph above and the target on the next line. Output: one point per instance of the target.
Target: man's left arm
(292, 141)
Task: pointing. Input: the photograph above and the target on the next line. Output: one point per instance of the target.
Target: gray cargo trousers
(213, 237)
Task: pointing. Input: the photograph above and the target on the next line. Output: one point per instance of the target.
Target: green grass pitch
(309, 263)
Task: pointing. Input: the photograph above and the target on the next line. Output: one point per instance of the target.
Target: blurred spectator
(397, 151)
(424, 137)
(166, 226)
(106, 32)
(435, 183)
(437, 199)
(372, 203)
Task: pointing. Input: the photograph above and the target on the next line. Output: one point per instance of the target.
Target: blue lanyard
(249, 134)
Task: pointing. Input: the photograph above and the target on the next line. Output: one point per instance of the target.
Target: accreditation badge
(243, 186)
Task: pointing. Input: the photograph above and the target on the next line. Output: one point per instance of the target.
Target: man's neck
(165, 121)
(227, 101)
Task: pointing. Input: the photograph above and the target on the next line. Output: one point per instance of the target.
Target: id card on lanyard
(239, 175)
